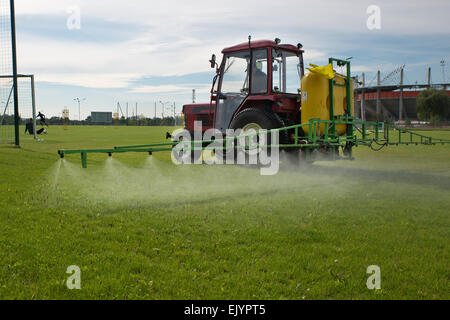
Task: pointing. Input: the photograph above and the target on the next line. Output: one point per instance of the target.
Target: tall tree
(433, 104)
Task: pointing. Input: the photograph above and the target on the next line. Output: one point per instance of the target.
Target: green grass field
(143, 228)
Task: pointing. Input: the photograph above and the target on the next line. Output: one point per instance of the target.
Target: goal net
(27, 111)
(25, 85)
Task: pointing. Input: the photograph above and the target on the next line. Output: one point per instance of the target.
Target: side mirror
(213, 61)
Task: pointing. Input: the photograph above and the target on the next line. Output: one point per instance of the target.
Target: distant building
(65, 114)
(101, 118)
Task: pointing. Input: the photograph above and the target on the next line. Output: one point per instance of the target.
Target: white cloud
(89, 80)
(158, 89)
(136, 58)
(174, 89)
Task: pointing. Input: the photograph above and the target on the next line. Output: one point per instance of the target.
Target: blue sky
(146, 51)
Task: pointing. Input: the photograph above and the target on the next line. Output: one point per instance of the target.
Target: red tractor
(261, 85)
(257, 86)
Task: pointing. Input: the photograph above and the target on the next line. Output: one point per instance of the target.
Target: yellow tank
(316, 100)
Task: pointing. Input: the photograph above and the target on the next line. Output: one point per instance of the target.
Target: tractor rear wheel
(262, 118)
(257, 119)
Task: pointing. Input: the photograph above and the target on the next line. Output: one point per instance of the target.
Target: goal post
(14, 70)
(8, 66)
(26, 104)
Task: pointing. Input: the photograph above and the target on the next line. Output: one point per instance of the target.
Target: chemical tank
(316, 100)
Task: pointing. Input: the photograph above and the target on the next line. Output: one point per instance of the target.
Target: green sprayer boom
(372, 134)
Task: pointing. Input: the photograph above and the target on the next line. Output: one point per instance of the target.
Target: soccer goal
(27, 107)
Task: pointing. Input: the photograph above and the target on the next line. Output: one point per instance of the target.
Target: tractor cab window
(259, 71)
(235, 73)
(234, 87)
(286, 72)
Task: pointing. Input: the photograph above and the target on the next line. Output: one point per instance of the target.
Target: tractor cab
(261, 76)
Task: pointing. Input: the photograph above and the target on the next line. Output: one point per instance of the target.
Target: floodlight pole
(15, 82)
(79, 107)
(163, 106)
(174, 116)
